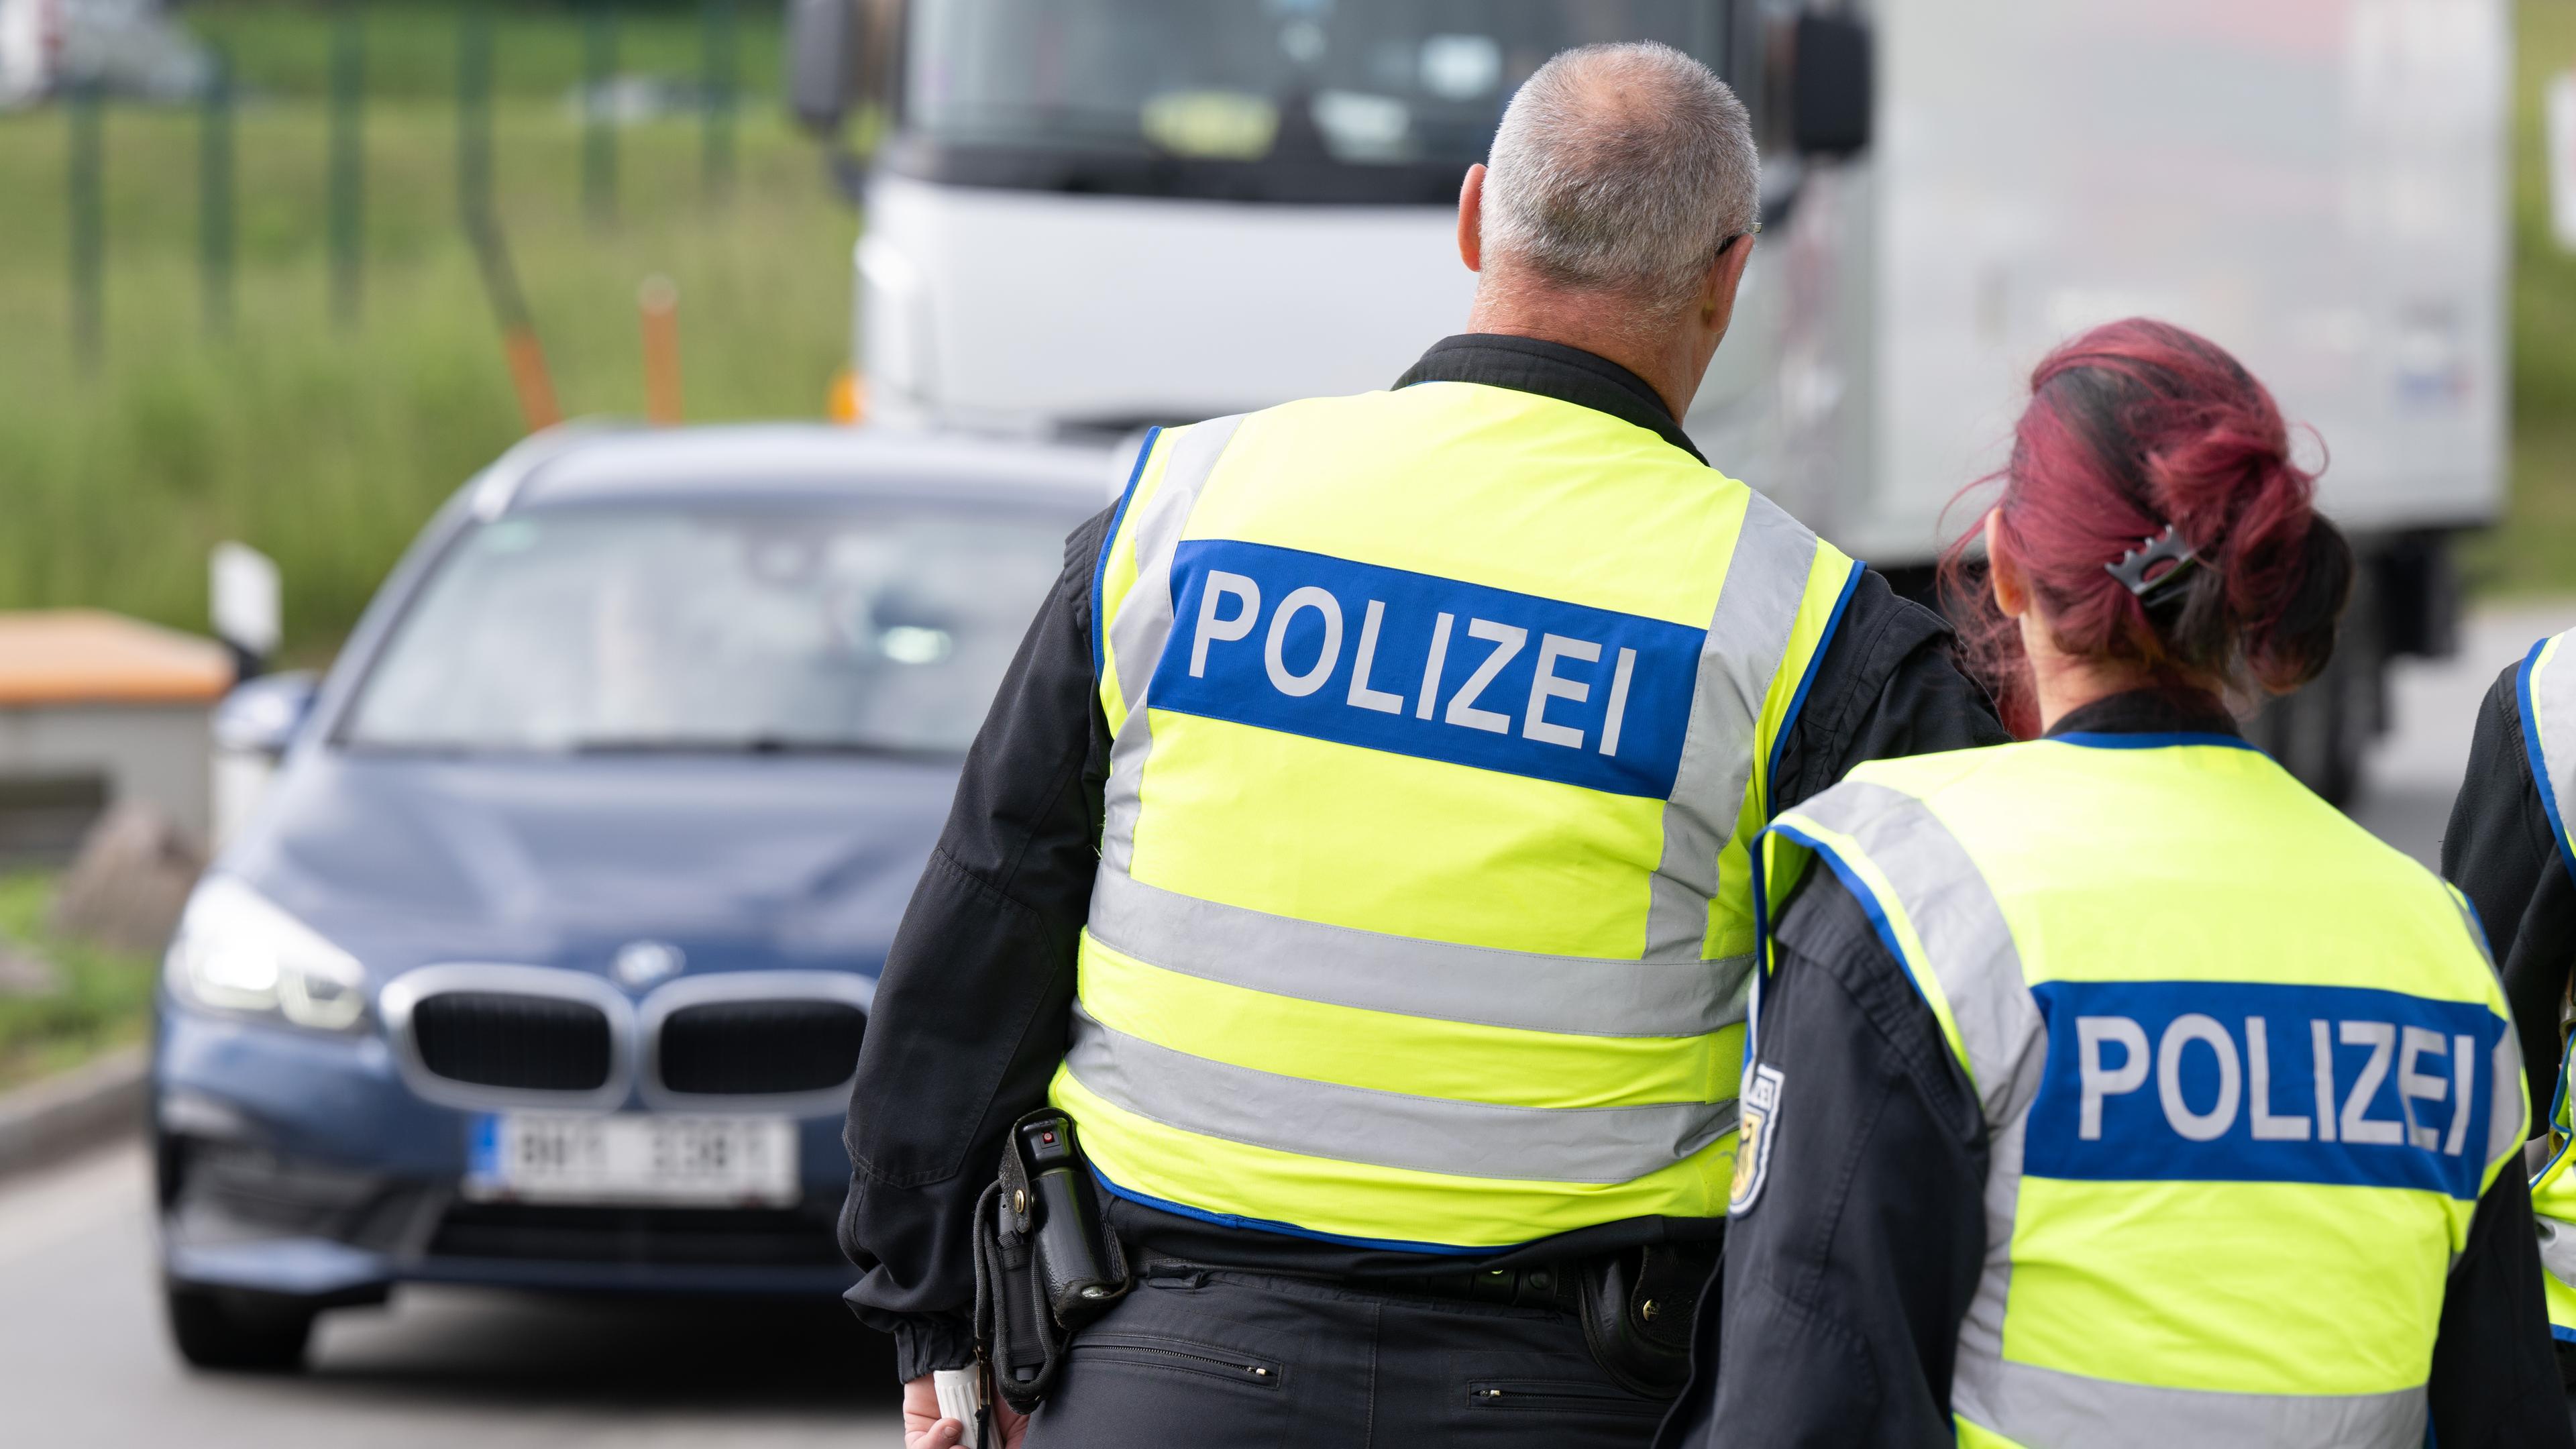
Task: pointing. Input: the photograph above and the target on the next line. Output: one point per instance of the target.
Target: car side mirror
(1831, 82)
(826, 55)
(261, 716)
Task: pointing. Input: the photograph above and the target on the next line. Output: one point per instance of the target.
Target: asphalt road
(83, 1361)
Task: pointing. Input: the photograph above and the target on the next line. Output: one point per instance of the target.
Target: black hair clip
(2132, 568)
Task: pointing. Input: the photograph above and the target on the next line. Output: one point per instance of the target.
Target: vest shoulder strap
(2545, 696)
(1172, 466)
(1932, 909)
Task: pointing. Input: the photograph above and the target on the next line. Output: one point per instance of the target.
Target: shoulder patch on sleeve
(1760, 1123)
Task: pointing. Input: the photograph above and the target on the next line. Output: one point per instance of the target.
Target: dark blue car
(546, 959)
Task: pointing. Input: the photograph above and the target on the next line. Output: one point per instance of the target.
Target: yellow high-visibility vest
(1444, 723)
(2546, 693)
(2246, 1072)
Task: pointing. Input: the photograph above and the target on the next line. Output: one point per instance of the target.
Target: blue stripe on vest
(2103, 740)
(1806, 682)
(2528, 707)
(1435, 668)
(1100, 566)
(2213, 1081)
(1266, 1225)
(2558, 1105)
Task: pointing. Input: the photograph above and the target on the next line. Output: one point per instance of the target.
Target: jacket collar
(2150, 712)
(1550, 369)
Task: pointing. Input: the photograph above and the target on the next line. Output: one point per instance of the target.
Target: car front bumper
(299, 1164)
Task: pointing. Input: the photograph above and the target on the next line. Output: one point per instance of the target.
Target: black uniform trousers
(1255, 1361)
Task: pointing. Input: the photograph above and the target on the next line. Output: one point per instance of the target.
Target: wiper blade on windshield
(757, 745)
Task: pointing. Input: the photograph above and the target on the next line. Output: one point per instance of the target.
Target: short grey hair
(1622, 168)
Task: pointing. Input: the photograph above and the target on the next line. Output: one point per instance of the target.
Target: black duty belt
(1550, 1285)
(1636, 1307)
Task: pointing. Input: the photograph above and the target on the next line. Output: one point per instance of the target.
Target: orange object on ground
(659, 304)
(849, 402)
(80, 656)
(528, 374)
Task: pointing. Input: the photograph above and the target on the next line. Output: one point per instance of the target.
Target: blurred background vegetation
(91, 998)
(2535, 550)
(327, 446)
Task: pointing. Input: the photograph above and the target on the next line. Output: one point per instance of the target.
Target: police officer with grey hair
(1341, 937)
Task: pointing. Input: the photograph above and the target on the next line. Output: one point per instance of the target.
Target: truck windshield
(1254, 100)
(745, 629)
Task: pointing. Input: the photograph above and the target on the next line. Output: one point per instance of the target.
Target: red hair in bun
(2131, 427)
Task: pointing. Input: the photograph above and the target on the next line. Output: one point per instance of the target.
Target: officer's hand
(924, 1429)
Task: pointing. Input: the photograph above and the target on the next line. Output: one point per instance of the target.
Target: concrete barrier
(85, 1107)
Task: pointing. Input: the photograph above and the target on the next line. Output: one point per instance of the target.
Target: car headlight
(237, 951)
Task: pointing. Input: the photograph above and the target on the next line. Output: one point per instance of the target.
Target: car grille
(505, 1039)
(760, 1048)
(736, 1237)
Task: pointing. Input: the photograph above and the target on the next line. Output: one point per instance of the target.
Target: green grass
(2535, 550)
(327, 447)
(285, 49)
(104, 1001)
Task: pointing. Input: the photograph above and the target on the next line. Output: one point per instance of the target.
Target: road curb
(81, 1108)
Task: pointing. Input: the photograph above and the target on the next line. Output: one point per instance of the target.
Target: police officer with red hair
(2109, 1088)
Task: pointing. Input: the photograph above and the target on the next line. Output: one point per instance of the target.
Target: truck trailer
(31, 51)
(1087, 216)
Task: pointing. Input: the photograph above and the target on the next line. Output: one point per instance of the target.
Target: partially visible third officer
(2508, 848)
(1357, 851)
(2110, 1089)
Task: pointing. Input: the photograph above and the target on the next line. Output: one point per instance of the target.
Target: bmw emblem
(640, 964)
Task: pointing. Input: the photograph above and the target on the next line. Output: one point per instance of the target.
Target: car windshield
(787, 628)
(1301, 99)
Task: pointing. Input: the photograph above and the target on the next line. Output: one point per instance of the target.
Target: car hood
(742, 862)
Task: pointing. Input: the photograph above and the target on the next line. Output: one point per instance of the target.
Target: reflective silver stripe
(1968, 945)
(1607, 1145)
(1981, 1328)
(2505, 1102)
(1748, 636)
(2553, 704)
(2047, 1409)
(1972, 954)
(2553, 700)
(1345, 966)
(2558, 1248)
(1144, 620)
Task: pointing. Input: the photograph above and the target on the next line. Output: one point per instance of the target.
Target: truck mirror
(824, 61)
(1830, 86)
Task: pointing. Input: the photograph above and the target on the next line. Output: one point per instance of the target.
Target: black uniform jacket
(2502, 855)
(973, 1011)
(1847, 1277)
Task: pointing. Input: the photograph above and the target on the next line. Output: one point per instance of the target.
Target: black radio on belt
(1045, 1263)
(1072, 1259)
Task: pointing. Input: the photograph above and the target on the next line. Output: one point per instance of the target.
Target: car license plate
(590, 1157)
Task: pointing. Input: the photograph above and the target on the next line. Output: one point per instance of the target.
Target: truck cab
(1085, 216)
(1096, 214)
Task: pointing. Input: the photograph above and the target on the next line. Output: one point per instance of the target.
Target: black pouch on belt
(1637, 1308)
(1045, 1263)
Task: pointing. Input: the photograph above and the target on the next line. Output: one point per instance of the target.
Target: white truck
(1090, 215)
(31, 48)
